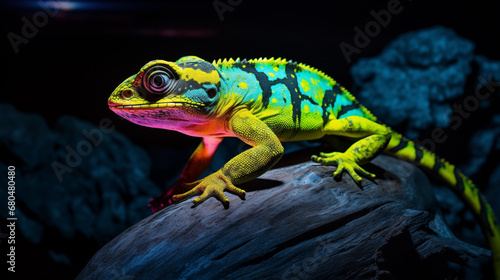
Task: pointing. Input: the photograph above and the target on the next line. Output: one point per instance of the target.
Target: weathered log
(296, 223)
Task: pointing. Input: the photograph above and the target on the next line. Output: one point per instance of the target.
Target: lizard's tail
(408, 150)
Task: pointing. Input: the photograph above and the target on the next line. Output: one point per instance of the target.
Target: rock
(433, 66)
(488, 70)
(296, 223)
(429, 65)
(102, 190)
(481, 147)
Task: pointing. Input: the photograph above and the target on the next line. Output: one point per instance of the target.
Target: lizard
(265, 102)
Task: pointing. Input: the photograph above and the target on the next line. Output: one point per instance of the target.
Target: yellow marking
(293, 76)
(243, 85)
(305, 85)
(275, 101)
(448, 174)
(200, 76)
(319, 93)
(161, 105)
(244, 66)
(271, 74)
(296, 90)
(348, 94)
(331, 83)
(407, 153)
(314, 81)
(276, 68)
(174, 66)
(306, 109)
(428, 160)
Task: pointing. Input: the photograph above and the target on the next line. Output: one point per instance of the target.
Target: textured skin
(265, 102)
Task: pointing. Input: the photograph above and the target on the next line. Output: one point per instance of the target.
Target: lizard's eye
(158, 80)
(126, 94)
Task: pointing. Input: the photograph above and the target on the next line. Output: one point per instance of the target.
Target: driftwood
(296, 223)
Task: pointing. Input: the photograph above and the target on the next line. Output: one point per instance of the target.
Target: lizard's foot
(213, 185)
(343, 162)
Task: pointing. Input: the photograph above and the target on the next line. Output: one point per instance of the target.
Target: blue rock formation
(417, 76)
(76, 182)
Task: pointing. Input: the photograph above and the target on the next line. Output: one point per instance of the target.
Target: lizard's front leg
(197, 163)
(373, 138)
(246, 166)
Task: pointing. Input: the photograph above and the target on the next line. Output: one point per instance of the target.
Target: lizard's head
(170, 95)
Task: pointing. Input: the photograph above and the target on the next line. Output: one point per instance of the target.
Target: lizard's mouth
(155, 105)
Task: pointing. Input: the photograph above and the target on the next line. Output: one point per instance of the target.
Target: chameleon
(265, 102)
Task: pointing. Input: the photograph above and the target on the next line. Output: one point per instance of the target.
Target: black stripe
(460, 182)
(329, 101)
(437, 164)
(419, 154)
(290, 69)
(344, 109)
(402, 144)
(483, 214)
(263, 82)
(290, 83)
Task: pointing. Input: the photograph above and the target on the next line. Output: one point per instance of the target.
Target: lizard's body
(265, 102)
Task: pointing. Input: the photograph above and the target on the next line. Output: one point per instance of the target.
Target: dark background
(74, 61)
